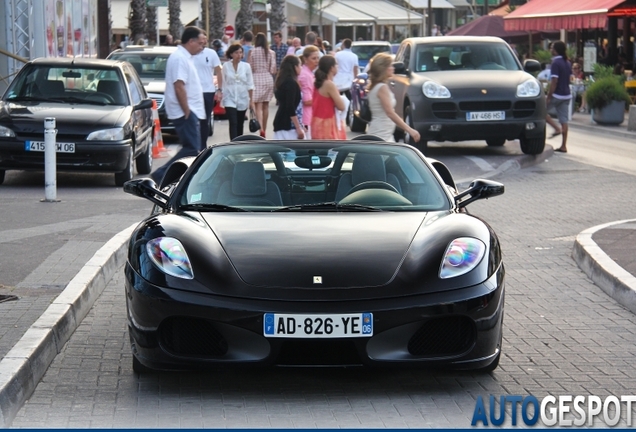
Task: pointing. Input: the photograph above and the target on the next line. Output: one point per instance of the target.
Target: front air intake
(191, 337)
(443, 337)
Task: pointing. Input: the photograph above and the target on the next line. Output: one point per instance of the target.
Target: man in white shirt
(310, 39)
(347, 68)
(184, 96)
(208, 64)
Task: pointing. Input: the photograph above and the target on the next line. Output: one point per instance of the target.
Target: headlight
(435, 91)
(6, 132)
(461, 256)
(169, 255)
(530, 88)
(114, 134)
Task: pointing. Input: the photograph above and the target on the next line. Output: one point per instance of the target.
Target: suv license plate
(39, 146)
(486, 116)
(318, 326)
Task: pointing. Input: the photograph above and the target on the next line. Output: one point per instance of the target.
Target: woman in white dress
(382, 102)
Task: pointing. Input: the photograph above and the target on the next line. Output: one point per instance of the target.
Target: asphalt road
(562, 334)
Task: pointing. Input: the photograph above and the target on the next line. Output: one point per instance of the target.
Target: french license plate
(485, 115)
(39, 146)
(318, 326)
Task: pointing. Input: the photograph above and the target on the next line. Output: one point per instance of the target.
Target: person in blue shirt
(559, 95)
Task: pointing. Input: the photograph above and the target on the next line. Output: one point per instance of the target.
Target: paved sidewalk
(605, 253)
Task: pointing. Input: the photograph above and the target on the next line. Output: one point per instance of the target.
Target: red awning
(550, 15)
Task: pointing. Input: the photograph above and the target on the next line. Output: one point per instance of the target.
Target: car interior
(268, 179)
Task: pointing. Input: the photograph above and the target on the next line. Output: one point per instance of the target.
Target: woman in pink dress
(326, 100)
(306, 79)
(263, 62)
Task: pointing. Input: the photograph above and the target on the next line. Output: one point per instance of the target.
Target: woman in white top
(382, 102)
(238, 85)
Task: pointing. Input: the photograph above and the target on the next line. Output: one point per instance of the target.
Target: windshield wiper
(32, 99)
(211, 207)
(329, 206)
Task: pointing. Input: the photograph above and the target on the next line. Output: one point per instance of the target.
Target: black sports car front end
(369, 276)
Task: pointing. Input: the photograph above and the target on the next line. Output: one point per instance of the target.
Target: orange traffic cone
(158, 149)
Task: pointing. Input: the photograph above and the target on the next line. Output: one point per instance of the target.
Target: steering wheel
(100, 95)
(372, 184)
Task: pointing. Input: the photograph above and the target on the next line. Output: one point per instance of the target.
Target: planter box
(612, 114)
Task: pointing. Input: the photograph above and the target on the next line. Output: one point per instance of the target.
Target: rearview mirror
(399, 68)
(312, 162)
(71, 74)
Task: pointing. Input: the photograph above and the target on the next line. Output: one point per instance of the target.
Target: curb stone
(604, 272)
(25, 364)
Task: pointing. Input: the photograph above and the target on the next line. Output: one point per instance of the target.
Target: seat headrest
(367, 167)
(443, 62)
(426, 61)
(112, 88)
(51, 88)
(249, 179)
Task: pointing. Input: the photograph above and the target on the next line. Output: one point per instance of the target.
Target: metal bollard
(50, 164)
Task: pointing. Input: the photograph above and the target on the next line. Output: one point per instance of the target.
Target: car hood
(358, 251)
(154, 86)
(29, 118)
(474, 80)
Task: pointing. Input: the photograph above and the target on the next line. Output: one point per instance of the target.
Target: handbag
(254, 125)
(365, 111)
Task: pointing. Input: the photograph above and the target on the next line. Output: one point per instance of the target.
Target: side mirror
(531, 65)
(399, 68)
(146, 188)
(479, 189)
(144, 104)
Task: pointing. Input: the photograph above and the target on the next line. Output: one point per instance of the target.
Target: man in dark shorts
(559, 94)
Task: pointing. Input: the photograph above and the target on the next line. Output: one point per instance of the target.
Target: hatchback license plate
(39, 146)
(486, 115)
(318, 326)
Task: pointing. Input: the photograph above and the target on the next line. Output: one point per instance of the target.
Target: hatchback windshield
(147, 65)
(303, 176)
(366, 52)
(69, 85)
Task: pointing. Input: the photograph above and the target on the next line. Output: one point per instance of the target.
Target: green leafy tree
(217, 19)
(137, 20)
(244, 18)
(151, 25)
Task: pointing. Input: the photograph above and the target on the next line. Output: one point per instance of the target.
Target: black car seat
(249, 186)
(366, 167)
(137, 65)
(112, 88)
(51, 88)
(443, 63)
(425, 61)
(467, 61)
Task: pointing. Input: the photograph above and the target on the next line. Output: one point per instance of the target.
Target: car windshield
(311, 176)
(366, 52)
(69, 85)
(147, 65)
(455, 56)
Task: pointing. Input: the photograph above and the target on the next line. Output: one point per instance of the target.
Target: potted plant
(607, 97)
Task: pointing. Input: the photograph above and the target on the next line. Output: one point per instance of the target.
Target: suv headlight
(114, 134)
(530, 88)
(6, 132)
(435, 91)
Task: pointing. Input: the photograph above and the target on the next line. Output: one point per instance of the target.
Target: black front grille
(444, 110)
(524, 109)
(442, 337)
(191, 337)
(485, 105)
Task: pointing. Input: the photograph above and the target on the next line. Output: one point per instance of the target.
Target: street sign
(229, 31)
(156, 3)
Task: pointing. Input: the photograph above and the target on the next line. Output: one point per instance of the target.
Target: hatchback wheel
(144, 160)
(127, 173)
(532, 146)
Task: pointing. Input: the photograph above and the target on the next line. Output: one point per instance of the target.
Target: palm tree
(321, 8)
(175, 27)
(244, 18)
(137, 20)
(312, 7)
(151, 25)
(217, 18)
(277, 20)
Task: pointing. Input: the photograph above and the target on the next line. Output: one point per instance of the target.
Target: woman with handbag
(326, 100)
(263, 62)
(238, 85)
(287, 125)
(382, 102)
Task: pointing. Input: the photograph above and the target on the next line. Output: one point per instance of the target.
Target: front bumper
(175, 329)
(446, 120)
(89, 156)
